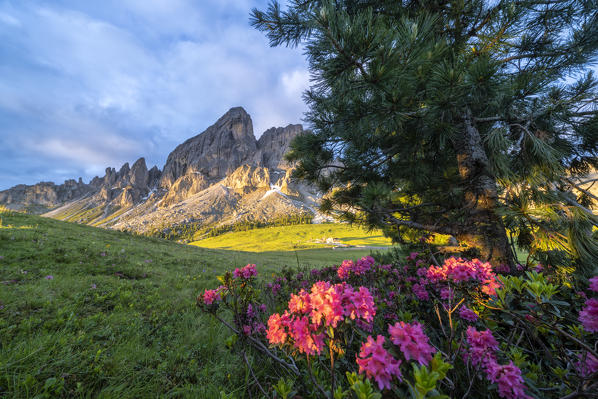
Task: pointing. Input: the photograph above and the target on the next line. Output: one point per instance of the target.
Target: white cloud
(104, 85)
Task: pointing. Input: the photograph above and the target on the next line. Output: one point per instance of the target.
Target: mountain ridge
(223, 175)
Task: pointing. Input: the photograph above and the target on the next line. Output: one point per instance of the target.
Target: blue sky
(90, 84)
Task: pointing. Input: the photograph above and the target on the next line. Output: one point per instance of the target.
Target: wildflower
(300, 303)
(50, 277)
(587, 364)
(210, 296)
(420, 292)
(305, 341)
(247, 330)
(277, 328)
(245, 272)
(412, 341)
(589, 315)
(377, 363)
(593, 284)
(93, 286)
(467, 314)
(360, 304)
(538, 268)
(509, 380)
(344, 269)
(447, 293)
(482, 346)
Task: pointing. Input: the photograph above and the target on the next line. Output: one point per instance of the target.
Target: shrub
(459, 329)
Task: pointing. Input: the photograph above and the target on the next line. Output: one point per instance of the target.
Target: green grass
(294, 237)
(118, 319)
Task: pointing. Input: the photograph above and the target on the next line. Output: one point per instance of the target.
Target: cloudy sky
(90, 84)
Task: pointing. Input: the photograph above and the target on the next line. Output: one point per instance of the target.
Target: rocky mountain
(221, 177)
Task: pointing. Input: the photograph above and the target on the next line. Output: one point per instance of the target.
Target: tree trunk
(483, 228)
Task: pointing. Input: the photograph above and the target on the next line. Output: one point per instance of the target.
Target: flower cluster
(467, 314)
(348, 267)
(377, 363)
(589, 315)
(412, 341)
(593, 284)
(211, 296)
(483, 348)
(245, 272)
(458, 270)
(325, 306)
(587, 364)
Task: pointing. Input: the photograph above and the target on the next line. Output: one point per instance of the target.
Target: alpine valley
(220, 178)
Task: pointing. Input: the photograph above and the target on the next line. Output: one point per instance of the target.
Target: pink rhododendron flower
(359, 304)
(482, 345)
(300, 303)
(509, 380)
(593, 284)
(301, 332)
(589, 315)
(458, 270)
(467, 314)
(344, 269)
(210, 296)
(587, 364)
(377, 363)
(348, 267)
(245, 272)
(447, 293)
(412, 341)
(420, 292)
(277, 328)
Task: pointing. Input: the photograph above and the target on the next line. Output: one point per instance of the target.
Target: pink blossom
(467, 314)
(300, 303)
(303, 338)
(447, 293)
(420, 292)
(587, 364)
(509, 380)
(482, 345)
(348, 267)
(245, 272)
(377, 363)
(412, 341)
(589, 315)
(210, 296)
(593, 284)
(277, 328)
(359, 304)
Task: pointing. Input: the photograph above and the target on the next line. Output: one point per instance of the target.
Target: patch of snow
(273, 189)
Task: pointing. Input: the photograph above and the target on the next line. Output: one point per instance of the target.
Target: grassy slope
(136, 334)
(288, 238)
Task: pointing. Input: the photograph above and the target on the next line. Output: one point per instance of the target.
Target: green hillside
(295, 237)
(117, 317)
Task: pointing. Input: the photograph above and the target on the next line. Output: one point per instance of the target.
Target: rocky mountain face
(220, 177)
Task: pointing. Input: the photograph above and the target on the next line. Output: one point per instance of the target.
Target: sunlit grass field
(295, 237)
(87, 312)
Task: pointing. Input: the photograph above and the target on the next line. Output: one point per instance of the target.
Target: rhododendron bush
(456, 329)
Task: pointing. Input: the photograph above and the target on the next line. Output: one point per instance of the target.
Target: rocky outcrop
(184, 187)
(248, 178)
(44, 194)
(274, 144)
(216, 152)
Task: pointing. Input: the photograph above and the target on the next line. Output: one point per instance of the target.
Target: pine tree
(468, 117)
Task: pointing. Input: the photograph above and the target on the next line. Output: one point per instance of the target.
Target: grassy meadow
(295, 237)
(87, 312)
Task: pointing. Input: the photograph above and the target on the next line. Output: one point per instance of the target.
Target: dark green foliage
(454, 117)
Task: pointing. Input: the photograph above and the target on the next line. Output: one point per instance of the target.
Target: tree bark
(483, 228)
